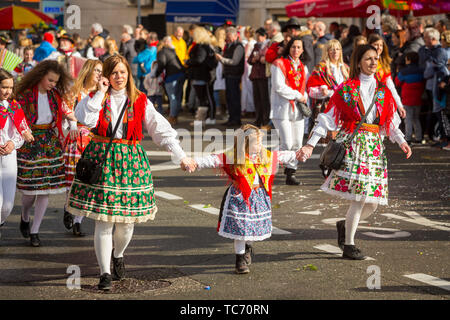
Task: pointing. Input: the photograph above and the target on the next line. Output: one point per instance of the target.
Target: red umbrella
(358, 8)
(16, 17)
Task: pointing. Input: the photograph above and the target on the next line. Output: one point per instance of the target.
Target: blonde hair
(201, 36)
(111, 46)
(85, 75)
(334, 43)
(241, 147)
(220, 35)
(98, 42)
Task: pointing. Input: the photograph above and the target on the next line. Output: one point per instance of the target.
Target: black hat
(65, 36)
(4, 37)
(292, 23)
(261, 31)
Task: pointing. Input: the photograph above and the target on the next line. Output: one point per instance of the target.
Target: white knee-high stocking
(40, 207)
(103, 245)
(122, 237)
(27, 204)
(239, 246)
(358, 210)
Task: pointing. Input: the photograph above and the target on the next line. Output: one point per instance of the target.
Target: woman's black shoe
(25, 228)
(118, 268)
(77, 230)
(241, 265)
(353, 253)
(340, 226)
(105, 282)
(68, 220)
(34, 240)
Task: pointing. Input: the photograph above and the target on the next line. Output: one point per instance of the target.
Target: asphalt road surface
(180, 256)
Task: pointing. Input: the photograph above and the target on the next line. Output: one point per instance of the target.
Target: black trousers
(261, 99)
(233, 96)
(205, 95)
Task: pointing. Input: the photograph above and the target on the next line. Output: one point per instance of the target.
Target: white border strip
(433, 281)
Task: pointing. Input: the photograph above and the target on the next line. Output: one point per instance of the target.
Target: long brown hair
(385, 59)
(357, 55)
(86, 72)
(108, 68)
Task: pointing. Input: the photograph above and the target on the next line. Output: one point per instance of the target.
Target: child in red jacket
(412, 84)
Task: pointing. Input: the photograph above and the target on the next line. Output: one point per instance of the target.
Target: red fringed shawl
(346, 102)
(16, 114)
(133, 117)
(320, 76)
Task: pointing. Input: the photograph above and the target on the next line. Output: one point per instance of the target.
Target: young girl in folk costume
(13, 130)
(75, 143)
(42, 94)
(124, 193)
(289, 77)
(363, 177)
(326, 77)
(383, 73)
(246, 213)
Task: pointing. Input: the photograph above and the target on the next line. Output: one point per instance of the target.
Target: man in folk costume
(124, 193)
(363, 177)
(289, 77)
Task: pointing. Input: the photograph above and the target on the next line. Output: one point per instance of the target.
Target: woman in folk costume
(363, 178)
(246, 213)
(13, 130)
(383, 73)
(124, 193)
(87, 82)
(289, 77)
(326, 77)
(42, 95)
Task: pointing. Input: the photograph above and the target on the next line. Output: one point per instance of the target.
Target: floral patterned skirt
(40, 164)
(124, 192)
(363, 176)
(250, 221)
(73, 151)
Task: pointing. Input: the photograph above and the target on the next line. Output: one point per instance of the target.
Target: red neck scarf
(295, 77)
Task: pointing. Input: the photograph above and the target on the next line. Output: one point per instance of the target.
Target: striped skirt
(73, 151)
(241, 220)
(40, 164)
(124, 192)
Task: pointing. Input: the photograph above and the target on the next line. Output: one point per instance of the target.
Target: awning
(202, 11)
(358, 8)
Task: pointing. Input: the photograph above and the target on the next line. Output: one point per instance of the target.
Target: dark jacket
(129, 52)
(308, 55)
(234, 62)
(200, 63)
(411, 82)
(168, 60)
(258, 68)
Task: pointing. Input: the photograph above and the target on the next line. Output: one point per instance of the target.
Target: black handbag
(304, 109)
(89, 171)
(333, 155)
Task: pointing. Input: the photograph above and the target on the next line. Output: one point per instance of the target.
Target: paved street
(180, 256)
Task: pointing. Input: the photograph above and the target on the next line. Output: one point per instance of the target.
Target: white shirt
(326, 121)
(280, 95)
(10, 132)
(44, 112)
(88, 110)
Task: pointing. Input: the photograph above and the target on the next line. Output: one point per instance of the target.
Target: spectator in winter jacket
(145, 59)
(411, 82)
(45, 49)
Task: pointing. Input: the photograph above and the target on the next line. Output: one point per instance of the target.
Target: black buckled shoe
(24, 228)
(241, 265)
(68, 220)
(353, 253)
(340, 226)
(34, 240)
(290, 177)
(77, 230)
(248, 254)
(105, 282)
(118, 272)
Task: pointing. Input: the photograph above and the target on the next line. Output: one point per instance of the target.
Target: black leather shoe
(340, 226)
(68, 220)
(118, 272)
(105, 282)
(353, 253)
(77, 230)
(34, 240)
(290, 177)
(25, 228)
(248, 254)
(241, 265)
